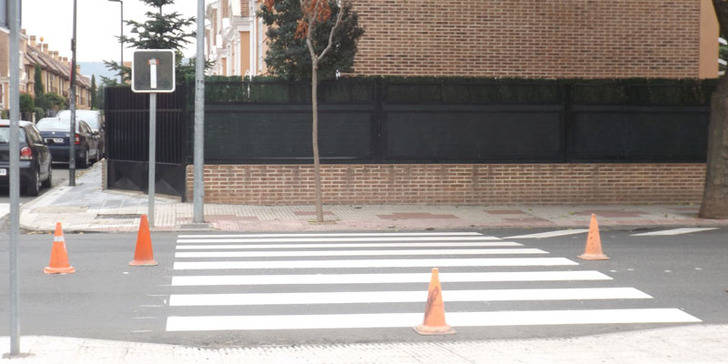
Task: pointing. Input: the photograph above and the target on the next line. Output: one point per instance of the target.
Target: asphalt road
(107, 299)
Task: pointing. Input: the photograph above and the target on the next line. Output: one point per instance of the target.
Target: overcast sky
(98, 25)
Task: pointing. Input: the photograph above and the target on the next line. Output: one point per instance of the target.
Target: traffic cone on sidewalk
(593, 249)
(143, 255)
(59, 255)
(434, 323)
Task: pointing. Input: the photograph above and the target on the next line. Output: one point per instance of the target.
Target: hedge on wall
(451, 90)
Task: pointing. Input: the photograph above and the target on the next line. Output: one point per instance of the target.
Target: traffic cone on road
(434, 323)
(143, 255)
(59, 255)
(593, 249)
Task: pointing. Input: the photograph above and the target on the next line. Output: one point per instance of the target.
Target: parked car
(35, 158)
(55, 133)
(94, 119)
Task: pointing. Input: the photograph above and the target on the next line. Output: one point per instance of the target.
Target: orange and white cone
(434, 323)
(59, 255)
(143, 254)
(593, 248)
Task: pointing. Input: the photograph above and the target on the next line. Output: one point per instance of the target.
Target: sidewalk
(687, 344)
(86, 207)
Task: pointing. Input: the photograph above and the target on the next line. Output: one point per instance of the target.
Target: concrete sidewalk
(686, 344)
(86, 207)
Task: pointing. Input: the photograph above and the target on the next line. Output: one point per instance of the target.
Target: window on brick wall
(244, 8)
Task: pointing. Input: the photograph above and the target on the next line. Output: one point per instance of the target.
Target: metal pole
(14, 145)
(72, 135)
(152, 153)
(199, 144)
(121, 72)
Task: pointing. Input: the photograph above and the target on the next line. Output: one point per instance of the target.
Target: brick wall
(455, 183)
(532, 38)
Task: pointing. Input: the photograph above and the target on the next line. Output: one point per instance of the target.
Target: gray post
(13, 173)
(121, 73)
(152, 153)
(199, 144)
(72, 135)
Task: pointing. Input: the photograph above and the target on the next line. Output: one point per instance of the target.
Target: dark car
(35, 158)
(55, 133)
(94, 119)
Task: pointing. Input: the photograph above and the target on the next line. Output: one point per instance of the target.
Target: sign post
(153, 72)
(13, 18)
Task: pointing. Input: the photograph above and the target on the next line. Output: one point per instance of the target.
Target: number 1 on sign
(153, 73)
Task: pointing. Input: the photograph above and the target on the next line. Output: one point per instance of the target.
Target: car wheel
(49, 181)
(33, 187)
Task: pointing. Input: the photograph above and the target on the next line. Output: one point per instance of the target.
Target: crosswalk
(250, 282)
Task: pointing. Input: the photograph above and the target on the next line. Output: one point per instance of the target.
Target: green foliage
(51, 101)
(93, 92)
(38, 78)
(27, 104)
(465, 91)
(160, 31)
(288, 57)
(39, 113)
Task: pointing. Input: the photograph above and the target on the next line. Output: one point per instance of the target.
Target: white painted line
(339, 253)
(432, 244)
(486, 295)
(445, 277)
(550, 234)
(319, 235)
(674, 231)
(456, 319)
(375, 263)
(333, 240)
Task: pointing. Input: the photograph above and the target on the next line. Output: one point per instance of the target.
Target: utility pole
(14, 172)
(72, 135)
(199, 143)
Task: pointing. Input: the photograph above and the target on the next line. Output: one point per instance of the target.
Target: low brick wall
(469, 184)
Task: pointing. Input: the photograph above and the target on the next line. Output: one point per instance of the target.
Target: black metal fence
(425, 120)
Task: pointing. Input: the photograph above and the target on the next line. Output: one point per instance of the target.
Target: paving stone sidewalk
(86, 207)
(683, 344)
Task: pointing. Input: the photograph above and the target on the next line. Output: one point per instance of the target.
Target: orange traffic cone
(434, 323)
(59, 255)
(143, 255)
(593, 249)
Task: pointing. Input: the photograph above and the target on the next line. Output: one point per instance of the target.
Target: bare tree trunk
(314, 140)
(715, 197)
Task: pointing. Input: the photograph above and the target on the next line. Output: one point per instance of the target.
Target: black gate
(127, 132)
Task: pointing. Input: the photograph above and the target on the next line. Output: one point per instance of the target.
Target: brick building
(55, 71)
(500, 38)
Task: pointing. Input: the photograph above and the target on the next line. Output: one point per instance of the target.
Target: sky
(98, 25)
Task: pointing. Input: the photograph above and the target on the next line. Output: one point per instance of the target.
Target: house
(235, 38)
(55, 71)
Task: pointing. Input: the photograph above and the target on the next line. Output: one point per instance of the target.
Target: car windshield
(89, 116)
(5, 135)
(52, 124)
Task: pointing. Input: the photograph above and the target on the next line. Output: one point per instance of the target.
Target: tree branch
(339, 16)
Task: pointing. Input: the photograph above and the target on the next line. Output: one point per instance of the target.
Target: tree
(38, 78)
(288, 55)
(160, 31)
(315, 18)
(715, 197)
(93, 92)
(27, 104)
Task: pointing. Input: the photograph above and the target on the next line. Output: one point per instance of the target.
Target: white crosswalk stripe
(679, 231)
(550, 234)
(244, 273)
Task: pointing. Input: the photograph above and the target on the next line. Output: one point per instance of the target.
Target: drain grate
(118, 216)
